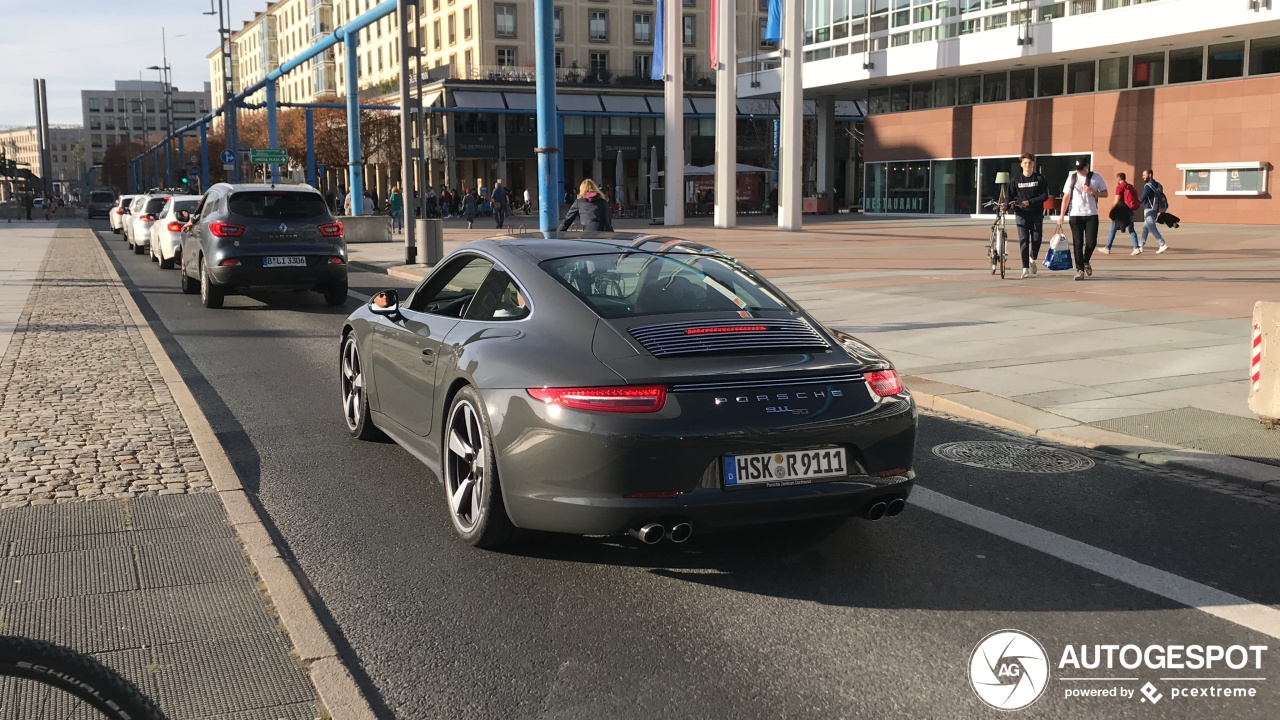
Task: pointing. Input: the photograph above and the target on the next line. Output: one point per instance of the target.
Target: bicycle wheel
(40, 680)
(993, 250)
(1003, 253)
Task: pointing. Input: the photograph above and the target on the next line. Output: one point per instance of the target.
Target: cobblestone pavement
(84, 412)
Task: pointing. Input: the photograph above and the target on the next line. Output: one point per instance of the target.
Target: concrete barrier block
(1264, 361)
(366, 228)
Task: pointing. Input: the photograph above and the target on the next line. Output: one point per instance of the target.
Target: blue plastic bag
(1058, 256)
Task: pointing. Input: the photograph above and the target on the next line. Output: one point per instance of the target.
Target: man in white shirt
(1080, 200)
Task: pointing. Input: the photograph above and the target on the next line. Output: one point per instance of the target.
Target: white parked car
(166, 233)
(142, 215)
(119, 211)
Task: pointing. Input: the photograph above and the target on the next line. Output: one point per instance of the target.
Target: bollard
(430, 237)
(1264, 362)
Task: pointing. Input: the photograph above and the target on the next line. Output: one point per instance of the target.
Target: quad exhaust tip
(680, 532)
(896, 506)
(877, 511)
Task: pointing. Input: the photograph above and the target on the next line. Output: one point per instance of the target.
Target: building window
(970, 91)
(506, 57)
(643, 65)
(690, 66)
(95, 123)
(995, 87)
(764, 23)
(1186, 65)
(599, 25)
(504, 20)
(690, 30)
(1148, 70)
(1080, 78)
(1050, 82)
(94, 105)
(1022, 84)
(1264, 56)
(599, 61)
(558, 58)
(453, 28)
(643, 29)
(466, 24)
(557, 23)
(1226, 60)
(944, 93)
(922, 96)
(1113, 73)
(435, 34)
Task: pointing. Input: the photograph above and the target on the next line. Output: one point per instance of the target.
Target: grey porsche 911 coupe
(601, 384)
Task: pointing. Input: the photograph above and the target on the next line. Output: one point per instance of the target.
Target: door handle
(428, 356)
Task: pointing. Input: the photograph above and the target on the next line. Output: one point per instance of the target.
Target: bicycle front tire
(70, 679)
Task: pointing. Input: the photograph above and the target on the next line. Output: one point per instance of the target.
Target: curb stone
(334, 684)
(1003, 413)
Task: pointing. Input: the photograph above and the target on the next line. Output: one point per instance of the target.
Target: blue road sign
(195, 171)
(228, 157)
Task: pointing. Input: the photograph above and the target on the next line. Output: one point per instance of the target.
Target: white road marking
(359, 296)
(1232, 608)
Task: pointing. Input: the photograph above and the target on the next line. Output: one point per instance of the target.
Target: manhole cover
(1015, 457)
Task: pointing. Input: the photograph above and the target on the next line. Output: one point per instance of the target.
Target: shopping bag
(1059, 255)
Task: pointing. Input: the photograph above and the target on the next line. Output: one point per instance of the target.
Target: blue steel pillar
(559, 166)
(204, 158)
(167, 165)
(548, 150)
(311, 149)
(355, 170)
(272, 128)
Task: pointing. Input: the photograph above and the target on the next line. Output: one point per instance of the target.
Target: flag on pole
(656, 67)
(773, 27)
(715, 30)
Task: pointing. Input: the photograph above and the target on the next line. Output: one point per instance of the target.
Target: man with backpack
(1080, 200)
(1154, 204)
(1122, 214)
(1026, 195)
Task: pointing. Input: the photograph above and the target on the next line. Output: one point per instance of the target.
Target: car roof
(548, 245)
(264, 187)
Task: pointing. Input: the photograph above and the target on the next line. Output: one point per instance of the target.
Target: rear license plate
(294, 261)
(792, 467)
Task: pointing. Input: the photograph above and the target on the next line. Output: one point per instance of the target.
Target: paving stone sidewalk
(111, 539)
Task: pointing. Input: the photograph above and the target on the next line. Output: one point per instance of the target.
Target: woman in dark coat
(590, 209)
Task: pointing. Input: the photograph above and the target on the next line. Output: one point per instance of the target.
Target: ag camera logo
(1009, 670)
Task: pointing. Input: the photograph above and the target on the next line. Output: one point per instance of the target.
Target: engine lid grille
(728, 336)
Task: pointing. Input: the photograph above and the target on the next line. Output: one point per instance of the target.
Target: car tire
(189, 286)
(211, 296)
(166, 264)
(352, 386)
(473, 494)
(336, 295)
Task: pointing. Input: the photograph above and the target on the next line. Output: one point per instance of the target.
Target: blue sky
(89, 44)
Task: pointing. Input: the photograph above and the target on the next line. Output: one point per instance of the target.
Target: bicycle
(42, 680)
(998, 245)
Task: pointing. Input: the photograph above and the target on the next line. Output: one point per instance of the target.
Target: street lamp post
(166, 80)
(228, 87)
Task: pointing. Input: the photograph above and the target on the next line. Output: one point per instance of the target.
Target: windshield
(281, 205)
(629, 284)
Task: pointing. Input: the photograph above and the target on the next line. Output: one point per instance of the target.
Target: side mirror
(385, 303)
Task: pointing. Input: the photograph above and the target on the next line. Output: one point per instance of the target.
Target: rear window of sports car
(630, 284)
(285, 205)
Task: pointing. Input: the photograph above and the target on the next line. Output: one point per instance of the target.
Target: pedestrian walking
(501, 198)
(446, 201)
(528, 202)
(1122, 214)
(1154, 203)
(28, 202)
(1080, 201)
(433, 210)
(470, 208)
(1025, 196)
(395, 204)
(590, 209)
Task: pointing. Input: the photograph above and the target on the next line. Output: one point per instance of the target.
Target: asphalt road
(878, 620)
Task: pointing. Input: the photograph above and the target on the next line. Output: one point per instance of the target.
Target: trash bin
(430, 234)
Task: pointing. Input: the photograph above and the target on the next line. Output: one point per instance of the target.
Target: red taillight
(118, 211)
(731, 329)
(893, 472)
(174, 227)
(229, 262)
(335, 260)
(331, 229)
(884, 382)
(222, 229)
(626, 398)
(147, 218)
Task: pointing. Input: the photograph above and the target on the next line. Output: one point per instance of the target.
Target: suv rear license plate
(792, 467)
(294, 261)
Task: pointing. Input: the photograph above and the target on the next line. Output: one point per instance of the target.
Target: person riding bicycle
(1025, 195)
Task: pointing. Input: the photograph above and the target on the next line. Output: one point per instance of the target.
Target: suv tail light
(229, 262)
(147, 218)
(222, 229)
(333, 229)
(884, 383)
(623, 398)
(118, 211)
(174, 227)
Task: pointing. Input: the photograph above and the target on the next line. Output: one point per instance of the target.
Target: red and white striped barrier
(1255, 369)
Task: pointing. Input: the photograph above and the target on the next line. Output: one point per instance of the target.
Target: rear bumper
(167, 244)
(247, 276)
(571, 471)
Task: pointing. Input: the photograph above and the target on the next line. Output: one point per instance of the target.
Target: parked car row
(238, 237)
